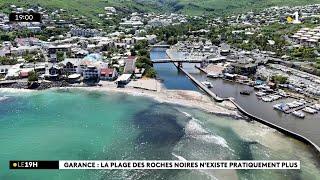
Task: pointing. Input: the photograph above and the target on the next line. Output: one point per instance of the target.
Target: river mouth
(113, 126)
(172, 78)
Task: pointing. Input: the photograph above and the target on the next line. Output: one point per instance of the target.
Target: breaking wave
(195, 130)
(2, 98)
(179, 157)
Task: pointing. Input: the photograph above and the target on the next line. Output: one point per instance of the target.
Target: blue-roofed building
(94, 57)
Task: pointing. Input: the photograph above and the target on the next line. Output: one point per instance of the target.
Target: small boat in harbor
(245, 92)
(281, 107)
(309, 110)
(316, 107)
(266, 99)
(260, 93)
(213, 75)
(207, 83)
(299, 114)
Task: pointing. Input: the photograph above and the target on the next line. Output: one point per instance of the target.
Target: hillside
(198, 7)
(233, 6)
(85, 7)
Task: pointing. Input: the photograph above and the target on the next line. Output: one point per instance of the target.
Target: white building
(84, 32)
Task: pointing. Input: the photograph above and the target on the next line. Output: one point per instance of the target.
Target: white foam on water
(194, 127)
(195, 130)
(214, 139)
(179, 157)
(14, 90)
(186, 114)
(2, 98)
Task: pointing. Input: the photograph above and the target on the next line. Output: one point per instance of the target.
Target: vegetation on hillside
(220, 7)
(212, 7)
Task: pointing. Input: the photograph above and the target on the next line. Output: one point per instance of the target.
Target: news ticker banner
(109, 164)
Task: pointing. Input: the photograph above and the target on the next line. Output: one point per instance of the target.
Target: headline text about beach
(179, 164)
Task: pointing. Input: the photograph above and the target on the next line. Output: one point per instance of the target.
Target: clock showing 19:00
(24, 17)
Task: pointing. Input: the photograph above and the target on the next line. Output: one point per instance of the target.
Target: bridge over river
(160, 46)
(211, 60)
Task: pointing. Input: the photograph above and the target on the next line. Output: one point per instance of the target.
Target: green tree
(29, 58)
(141, 45)
(151, 72)
(60, 56)
(172, 40)
(133, 52)
(143, 62)
(279, 79)
(143, 52)
(7, 61)
(33, 76)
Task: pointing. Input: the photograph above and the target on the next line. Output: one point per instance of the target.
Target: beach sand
(191, 99)
(154, 89)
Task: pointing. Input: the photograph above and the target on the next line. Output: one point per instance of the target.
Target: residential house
(91, 73)
(108, 74)
(71, 65)
(54, 73)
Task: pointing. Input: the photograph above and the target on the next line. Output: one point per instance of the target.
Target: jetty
(278, 128)
(200, 85)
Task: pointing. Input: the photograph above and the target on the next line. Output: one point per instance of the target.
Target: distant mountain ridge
(221, 7)
(190, 7)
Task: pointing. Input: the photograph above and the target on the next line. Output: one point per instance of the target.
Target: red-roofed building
(108, 74)
(23, 74)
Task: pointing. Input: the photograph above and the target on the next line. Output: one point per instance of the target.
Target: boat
(245, 92)
(260, 93)
(213, 75)
(299, 114)
(274, 97)
(295, 104)
(281, 107)
(309, 110)
(283, 93)
(316, 107)
(266, 99)
(208, 84)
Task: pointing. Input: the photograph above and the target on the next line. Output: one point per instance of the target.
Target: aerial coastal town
(160, 80)
(275, 51)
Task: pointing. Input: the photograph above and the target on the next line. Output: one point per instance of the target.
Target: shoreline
(191, 99)
(185, 98)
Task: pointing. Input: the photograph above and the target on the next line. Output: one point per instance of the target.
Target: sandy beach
(191, 99)
(154, 89)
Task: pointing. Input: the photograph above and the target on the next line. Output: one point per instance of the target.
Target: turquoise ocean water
(82, 125)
